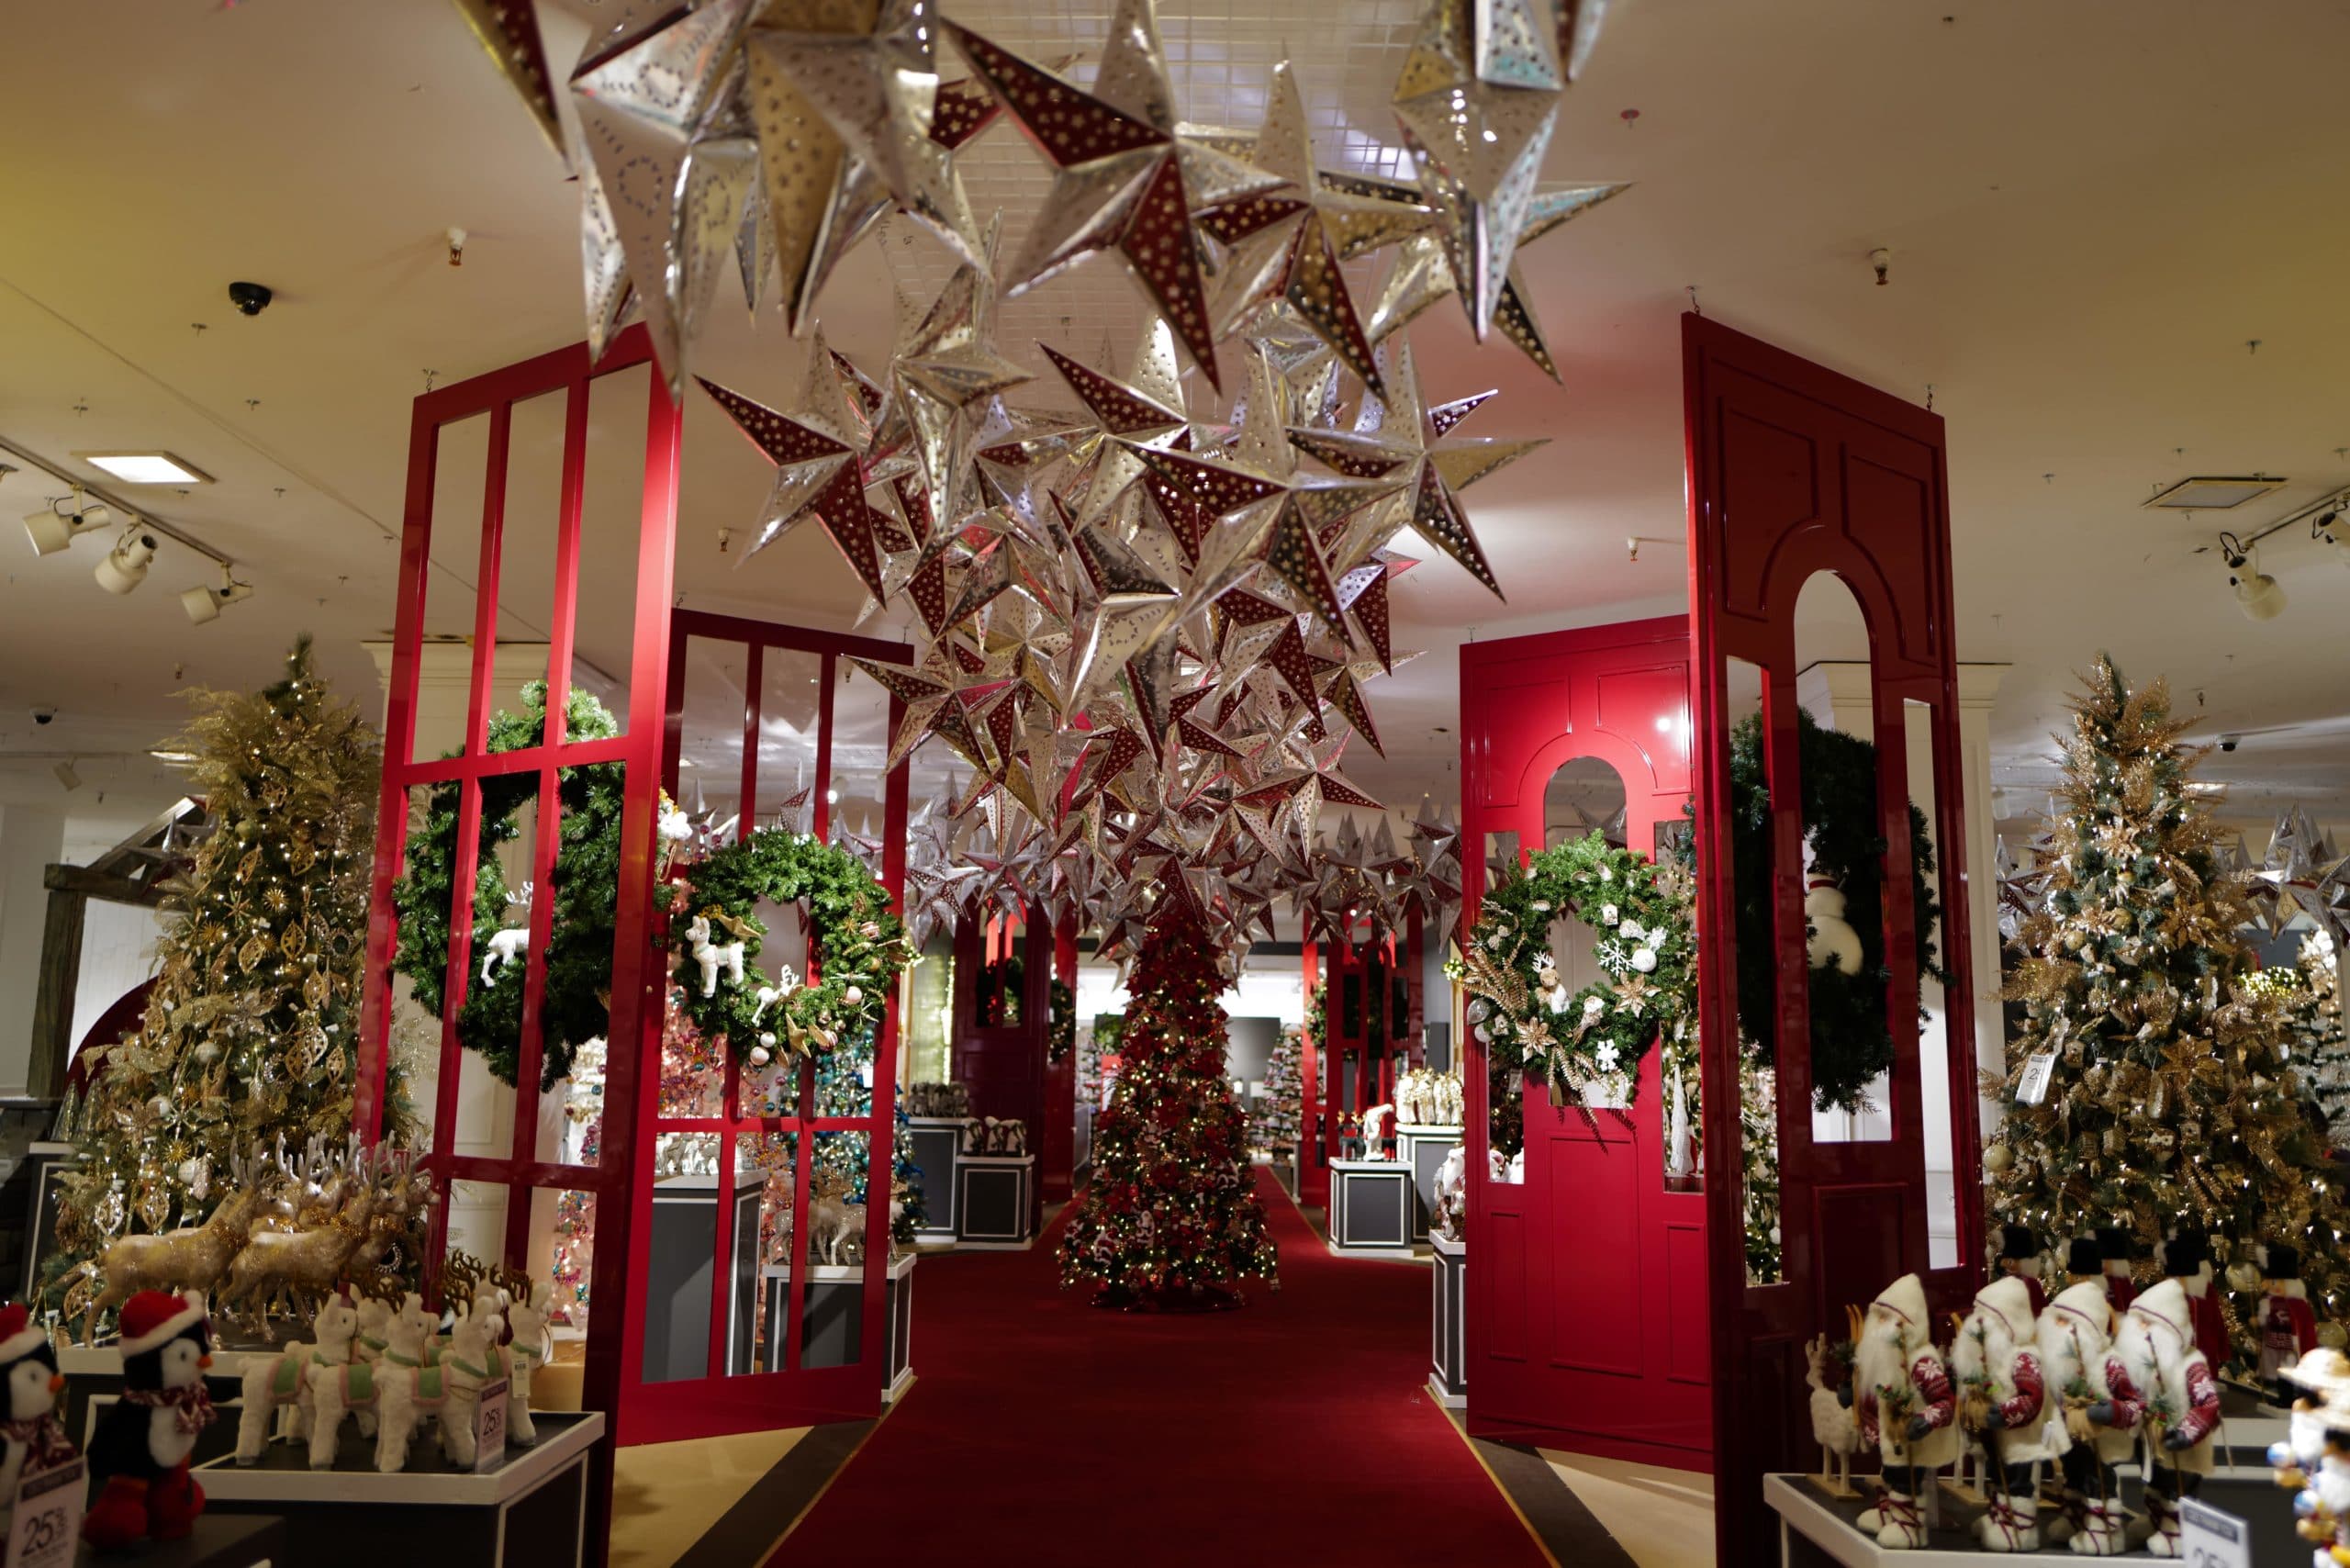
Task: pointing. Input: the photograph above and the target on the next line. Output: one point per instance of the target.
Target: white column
(32, 838)
(1837, 694)
(485, 1106)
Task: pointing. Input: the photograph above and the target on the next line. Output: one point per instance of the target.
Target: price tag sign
(2032, 1088)
(2210, 1538)
(489, 1427)
(45, 1529)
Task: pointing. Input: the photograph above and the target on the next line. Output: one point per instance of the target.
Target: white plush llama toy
(472, 1361)
(508, 946)
(529, 1351)
(400, 1384)
(284, 1382)
(714, 955)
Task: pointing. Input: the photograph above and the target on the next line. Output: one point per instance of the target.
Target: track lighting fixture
(204, 604)
(58, 524)
(125, 567)
(2257, 593)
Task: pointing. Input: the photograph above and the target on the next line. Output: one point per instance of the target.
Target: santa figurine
(2319, 1377)
(2099, 1415)
(2180, 1401)
(2288, 1326)
(1901, 1394)
(2003, 1405)
(138, 1454)
(2187, 1259)
(32, 1439)
(2019, 1260)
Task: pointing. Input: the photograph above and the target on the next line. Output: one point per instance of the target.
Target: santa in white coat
(2156, 1346)
(1904, 1405)
(2004, 1405)
(2095, 1424)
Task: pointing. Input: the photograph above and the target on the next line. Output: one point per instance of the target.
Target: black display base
(1449, 1358)
(1818, 1529)
(530, 1512)
(218, 1540)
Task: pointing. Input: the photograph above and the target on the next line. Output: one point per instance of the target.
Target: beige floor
(1664, 1518)
(666, 1496)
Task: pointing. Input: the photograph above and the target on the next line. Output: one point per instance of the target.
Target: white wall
(118, 953)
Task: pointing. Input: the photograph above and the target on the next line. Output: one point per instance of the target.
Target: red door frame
(791, 1395)
(1529, 705)
(635, 965)
(1793, 469)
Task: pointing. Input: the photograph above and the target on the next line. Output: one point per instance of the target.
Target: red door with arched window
(1586, 1283)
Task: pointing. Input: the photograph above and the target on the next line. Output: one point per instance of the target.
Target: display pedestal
(676, 1296)
(832, 1320)
(93, 1381)
(530, 1512)
(218, 1540)
(938, 1144)
(1449, 1373)
(1371, 1206)
(1815, 1530)
(994, 1199)
(1421, 1150)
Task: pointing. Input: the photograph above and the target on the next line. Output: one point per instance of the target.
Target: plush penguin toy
(31, 1438)
(139, 1455)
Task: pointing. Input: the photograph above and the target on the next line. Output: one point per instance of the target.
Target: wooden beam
(61, 975)
(85, 883)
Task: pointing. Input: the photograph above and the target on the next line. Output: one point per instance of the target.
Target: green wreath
(1519, 1009)
(1851, 1038)
(858, 945)
(573, 1008)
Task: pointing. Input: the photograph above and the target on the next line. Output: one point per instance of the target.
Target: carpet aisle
(1044, 1432)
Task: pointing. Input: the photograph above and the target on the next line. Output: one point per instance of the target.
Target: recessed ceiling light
(145, 467)
(2207, 493)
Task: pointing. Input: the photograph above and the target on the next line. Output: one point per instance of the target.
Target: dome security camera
(250, 299)
(2230, 743)
(43, 715)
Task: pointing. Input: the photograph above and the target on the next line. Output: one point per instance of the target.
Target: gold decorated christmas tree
(251, 1030)
(2149, 1087)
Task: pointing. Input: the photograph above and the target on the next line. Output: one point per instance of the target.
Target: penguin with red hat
(139, 1455)
(31, 1438)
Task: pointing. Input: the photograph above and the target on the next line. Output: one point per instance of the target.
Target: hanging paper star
(1122, 180)
(509, 30)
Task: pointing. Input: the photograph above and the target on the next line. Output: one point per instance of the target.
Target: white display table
(530, 1512)
(832, 1323)
(1371, 1208)
(993, 1204)
(1421, 1147)
(1449, 1358)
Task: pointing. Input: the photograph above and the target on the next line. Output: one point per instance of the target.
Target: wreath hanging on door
(1594, 1039)
(573, 1008)
(858, 944)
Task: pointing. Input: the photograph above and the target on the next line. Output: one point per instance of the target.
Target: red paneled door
(1586, 1285)
(1795, 470)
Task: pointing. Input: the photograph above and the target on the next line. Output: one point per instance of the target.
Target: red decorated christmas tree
(1171, 1217)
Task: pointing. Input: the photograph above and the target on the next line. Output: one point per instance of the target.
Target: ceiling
(2094, 211)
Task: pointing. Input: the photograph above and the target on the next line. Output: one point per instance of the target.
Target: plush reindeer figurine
(139, 1455)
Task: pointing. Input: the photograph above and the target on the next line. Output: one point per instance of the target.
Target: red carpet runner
(1041, 1431)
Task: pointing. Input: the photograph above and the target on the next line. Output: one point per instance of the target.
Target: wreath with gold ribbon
(858, 943)
(1519, 1008)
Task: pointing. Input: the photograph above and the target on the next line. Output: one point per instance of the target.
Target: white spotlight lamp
(2331, 531)
(125, 567)
(2257, 594)
(52, 529)
(67, 776)
(204, 604)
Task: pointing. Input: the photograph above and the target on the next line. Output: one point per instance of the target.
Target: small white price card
(2032, 1088)
(2210, 1538)
(489, 1427)
(45, 1529)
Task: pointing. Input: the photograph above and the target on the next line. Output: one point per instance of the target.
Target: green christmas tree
(1171, 1217)
(1274, 1127)
(2170, 1099)
(250, 1031)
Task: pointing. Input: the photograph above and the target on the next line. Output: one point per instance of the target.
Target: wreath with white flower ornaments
(1519, 1008)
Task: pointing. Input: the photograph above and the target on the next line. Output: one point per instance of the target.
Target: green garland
(1060, 1026)
(1521, 1011)
(573, 1008)
(1852, 1040)
(858, 946)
